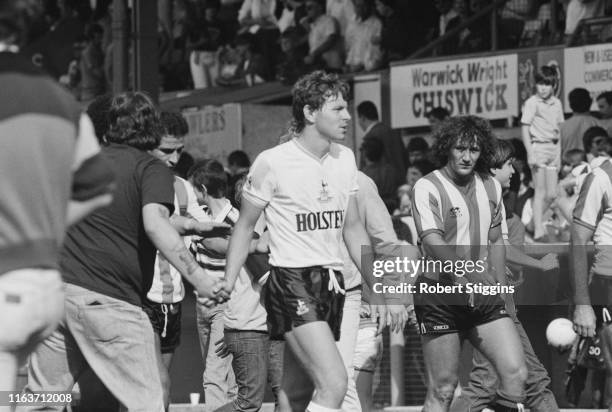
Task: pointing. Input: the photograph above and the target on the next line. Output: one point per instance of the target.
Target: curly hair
(174, 123)
(464, 129)
(98, 113)
(313, 90)
(134, 121)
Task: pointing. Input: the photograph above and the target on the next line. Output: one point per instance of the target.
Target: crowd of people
(208, 43)
(104, 217)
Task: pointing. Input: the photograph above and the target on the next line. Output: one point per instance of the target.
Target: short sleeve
(157, 185)
(529, 111)
(588, 209)
(426, 208)
(261, 182)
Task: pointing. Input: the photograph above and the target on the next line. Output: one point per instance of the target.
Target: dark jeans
(254, 361)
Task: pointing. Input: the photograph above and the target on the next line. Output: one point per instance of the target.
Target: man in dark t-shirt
(107, 261)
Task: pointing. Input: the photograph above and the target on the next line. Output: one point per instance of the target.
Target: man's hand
(211, 292)
(378, 313)
(396, 317)
(263, 243)
(221, 349)
(549, 262)
(412, 319)
(584, 320)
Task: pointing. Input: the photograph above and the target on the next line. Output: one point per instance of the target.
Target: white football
(560, 332)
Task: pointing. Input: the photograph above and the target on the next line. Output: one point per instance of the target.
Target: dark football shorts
(600, 292)
(166, 321)
(296, 296)
(439, 313)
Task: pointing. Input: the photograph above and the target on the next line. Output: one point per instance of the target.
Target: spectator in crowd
(92, 64)
(417, 170)
(292, 12)
(435, 117)
(382, 173)
(107, 263)
(395, 33)
(52, 176)
(449, 19)
(205, 40)
(514, 14)
(478, 36)
(250, 68)
(541, 119)
(417, 149)
(292, 64)
(324, 38)
(259, 13)
(604, 103)
(344, 13)
(573, 128)
(594, 141)
(363, 50)
(580, 9)
(373, 128)
(258, 18)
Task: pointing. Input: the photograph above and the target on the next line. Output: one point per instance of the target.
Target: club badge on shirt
(325, 196)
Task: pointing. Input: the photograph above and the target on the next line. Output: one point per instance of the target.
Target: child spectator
(573, 128)
(542, 117)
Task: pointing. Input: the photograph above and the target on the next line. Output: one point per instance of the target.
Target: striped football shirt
(463, 216)
(594, 211)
